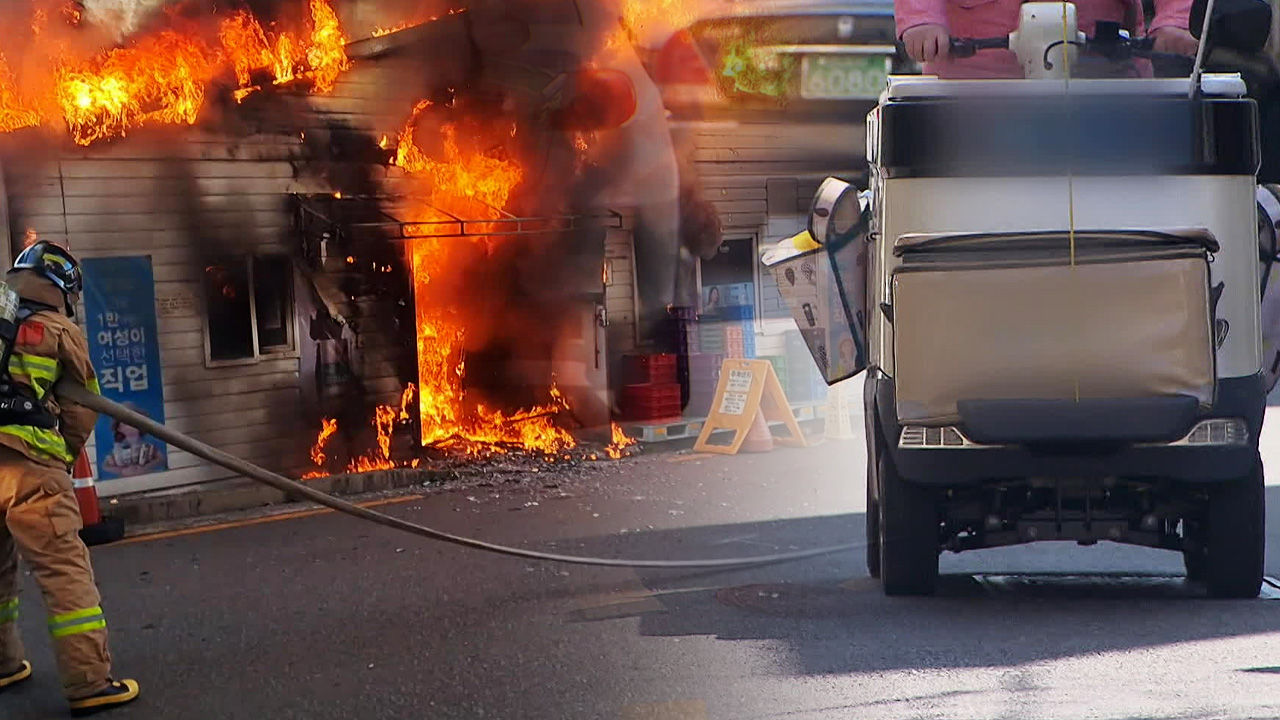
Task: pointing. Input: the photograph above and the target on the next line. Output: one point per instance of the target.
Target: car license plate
(843, 77)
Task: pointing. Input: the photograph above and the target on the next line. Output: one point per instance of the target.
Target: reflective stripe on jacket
(50, 346)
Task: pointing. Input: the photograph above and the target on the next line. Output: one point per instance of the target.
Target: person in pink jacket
(926, 27)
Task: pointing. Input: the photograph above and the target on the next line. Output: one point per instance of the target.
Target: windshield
(1087, 135)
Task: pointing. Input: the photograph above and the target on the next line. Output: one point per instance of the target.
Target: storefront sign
(176, 305)
(746, 388)
(120, 310)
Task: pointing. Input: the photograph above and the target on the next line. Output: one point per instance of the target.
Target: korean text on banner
(120, 310)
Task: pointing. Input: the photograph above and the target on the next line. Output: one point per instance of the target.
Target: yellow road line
(254, 521)
(678, 710)
(630, 597)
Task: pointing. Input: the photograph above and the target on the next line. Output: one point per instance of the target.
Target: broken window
(273, 302)
(249, 302)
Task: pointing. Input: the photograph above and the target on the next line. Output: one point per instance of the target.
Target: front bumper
(961, 461)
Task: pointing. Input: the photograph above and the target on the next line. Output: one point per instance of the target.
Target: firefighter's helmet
(54, 263)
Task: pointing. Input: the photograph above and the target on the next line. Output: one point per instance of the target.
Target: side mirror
(1239, 25)
(838, 212)
(1268, 228)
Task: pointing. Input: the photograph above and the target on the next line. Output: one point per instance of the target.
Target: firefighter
(37, 503)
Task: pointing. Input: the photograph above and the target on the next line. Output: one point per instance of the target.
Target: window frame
(753, 238)
(291, 325)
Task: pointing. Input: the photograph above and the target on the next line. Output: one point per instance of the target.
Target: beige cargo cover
(1099, 330)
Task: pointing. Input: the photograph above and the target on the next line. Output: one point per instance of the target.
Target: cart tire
(908, 534)
(873, 526)
(875, 450)
(1195, 559)
(1196, 563)
(1236, 537)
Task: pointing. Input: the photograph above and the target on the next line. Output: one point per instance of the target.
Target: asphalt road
(324, 617)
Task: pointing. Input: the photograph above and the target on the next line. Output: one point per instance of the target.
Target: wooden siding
(762, 179)
(177, 199)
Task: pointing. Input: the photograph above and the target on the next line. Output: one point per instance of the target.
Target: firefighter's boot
(9, 679)
(119, 692)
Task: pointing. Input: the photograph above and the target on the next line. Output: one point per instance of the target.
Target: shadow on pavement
(833, 618)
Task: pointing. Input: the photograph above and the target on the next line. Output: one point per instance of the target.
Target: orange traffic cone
(759, 437)
(97, 530)
(86, 492)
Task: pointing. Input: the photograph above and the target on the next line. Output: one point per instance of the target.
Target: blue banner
(120, 310)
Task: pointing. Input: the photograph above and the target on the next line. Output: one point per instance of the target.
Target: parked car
(765, 99)
(776, 88)
(779, 61)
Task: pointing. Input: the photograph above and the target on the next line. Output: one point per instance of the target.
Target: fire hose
(78, 394)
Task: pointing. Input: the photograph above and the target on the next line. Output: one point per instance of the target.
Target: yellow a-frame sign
(747, 386)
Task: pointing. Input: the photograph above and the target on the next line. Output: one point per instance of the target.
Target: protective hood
(37, 288)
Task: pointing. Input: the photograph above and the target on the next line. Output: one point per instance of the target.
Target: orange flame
(470, 185)
(621, 442)
(406, 401)
(381, 31)
(15, 112)
(162, 77)
(245, 45)
(322, 57)
(326, 54)
(159, 79)
(420, 20)
(385, 419)
(72, 13)
(639, 16)
(329, 426)
(459, 182)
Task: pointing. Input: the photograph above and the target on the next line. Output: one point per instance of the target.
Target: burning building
(369, 238)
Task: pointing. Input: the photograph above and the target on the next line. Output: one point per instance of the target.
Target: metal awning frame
(457, 227)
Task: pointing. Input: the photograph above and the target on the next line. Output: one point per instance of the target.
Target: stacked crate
(685, 320)
(651, 390)
(710, 336)
(739, 331)
(704, 376)
(691, 335)
(733, 342)
(803, 374)
(779, 363)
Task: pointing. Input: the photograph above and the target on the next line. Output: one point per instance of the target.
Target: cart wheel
(908, 534)
(1235, 537)
(873, 526)
(1195, 560)
(875, 449)
(1195, 564)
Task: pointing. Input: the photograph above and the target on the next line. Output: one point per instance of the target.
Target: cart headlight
(1218, 431)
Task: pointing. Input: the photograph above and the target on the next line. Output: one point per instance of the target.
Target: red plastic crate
(652, 392)
(648, 410)
(651, 401)
(649, 369)
(654, 414)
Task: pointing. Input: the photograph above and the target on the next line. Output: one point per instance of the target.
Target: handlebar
(968, 47)
(1108, 42)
